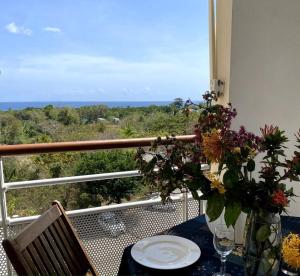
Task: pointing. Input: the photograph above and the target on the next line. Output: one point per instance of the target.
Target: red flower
(279, 198)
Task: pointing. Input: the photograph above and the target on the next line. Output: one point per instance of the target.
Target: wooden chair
(49, 246)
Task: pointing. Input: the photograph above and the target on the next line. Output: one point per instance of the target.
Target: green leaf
(215, 206)
(203, 197)
(263, 233)
(195, 195)
(167, 171)
(232, 212)
(193, 185)
(150, 165)
(266, 265)
(230, 178)
(251, 165)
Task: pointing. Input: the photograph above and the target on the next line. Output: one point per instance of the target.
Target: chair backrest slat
(73, 242)
(36, 258)
(57, 253)
(65, 248)
(44, 256)
(30, 267)
(62, 249)
(51, 255)
(49, 246)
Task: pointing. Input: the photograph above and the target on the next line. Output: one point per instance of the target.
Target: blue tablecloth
(196, 230)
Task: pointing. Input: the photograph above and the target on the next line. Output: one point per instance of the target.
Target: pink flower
(268, 130)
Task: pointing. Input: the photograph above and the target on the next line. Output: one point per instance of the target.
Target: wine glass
(224, 244)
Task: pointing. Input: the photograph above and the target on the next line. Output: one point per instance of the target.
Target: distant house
(101, 120)
(194, 109)
(116, 120)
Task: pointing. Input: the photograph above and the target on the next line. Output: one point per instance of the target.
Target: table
(197, 230)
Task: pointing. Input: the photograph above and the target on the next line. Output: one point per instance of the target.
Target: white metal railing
(78, 179)
(15, 221)
(70, 179)
(95, 210)
(141, 219)
(4, 210)
(9, 222)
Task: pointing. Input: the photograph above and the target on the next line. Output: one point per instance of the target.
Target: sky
(103, 50)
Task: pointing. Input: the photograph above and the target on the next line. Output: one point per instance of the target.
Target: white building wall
(264, 69)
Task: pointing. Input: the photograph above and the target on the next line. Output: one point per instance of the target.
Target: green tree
(178, 103)
(90, 114)
(128, 131)
(68, 116)
(51, 112)
(30, 114)
(94, 193)
(11, 129)
(164, 124)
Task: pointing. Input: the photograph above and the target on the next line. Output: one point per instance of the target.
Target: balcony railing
(104, 242)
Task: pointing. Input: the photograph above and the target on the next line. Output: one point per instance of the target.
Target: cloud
(108, 69)
(15, 29)
(52, 29)
(80, 76)
(97, 64)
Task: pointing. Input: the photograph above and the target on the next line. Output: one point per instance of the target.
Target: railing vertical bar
(185, 211)
(4, 211)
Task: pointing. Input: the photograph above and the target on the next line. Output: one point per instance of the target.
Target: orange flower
(212, 146)
(291, 250)
(279, 198)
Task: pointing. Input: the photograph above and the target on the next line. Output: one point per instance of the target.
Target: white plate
(165, 252)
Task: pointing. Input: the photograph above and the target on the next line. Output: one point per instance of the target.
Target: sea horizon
(5, 106)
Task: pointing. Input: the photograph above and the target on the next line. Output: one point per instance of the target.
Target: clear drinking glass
(224, 244)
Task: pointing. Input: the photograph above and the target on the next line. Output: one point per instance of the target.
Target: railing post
(201, 207)
(185, 210)
(4, 210)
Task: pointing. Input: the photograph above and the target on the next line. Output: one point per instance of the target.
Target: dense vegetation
(51, 124)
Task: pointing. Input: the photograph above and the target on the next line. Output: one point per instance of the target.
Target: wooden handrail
(22, 149)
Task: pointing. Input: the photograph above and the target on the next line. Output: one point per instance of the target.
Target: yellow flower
(210, 175)
(236, 150)
(291, 250)
(252, 153)
(215, 182)
(212, 146)
(218, 185)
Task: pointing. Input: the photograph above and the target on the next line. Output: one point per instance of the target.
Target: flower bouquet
(173, 164)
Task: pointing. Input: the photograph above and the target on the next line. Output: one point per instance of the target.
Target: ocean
(4, 106)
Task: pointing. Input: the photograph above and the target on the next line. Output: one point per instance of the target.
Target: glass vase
(290, 271)
(262, 244)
